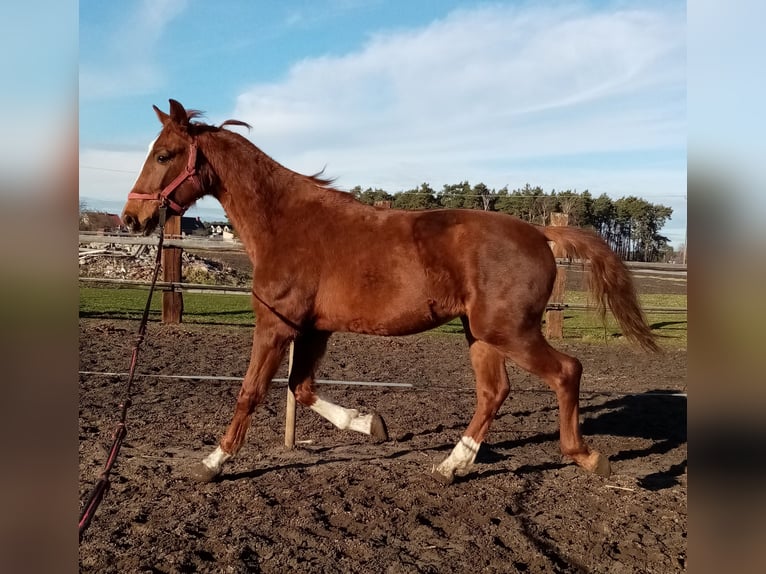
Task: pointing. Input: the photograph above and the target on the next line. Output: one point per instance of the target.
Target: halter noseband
(190, 172)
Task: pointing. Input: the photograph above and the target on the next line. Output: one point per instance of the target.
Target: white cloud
(497, 94)
(109, 174)
(130, 62)
(435, 104)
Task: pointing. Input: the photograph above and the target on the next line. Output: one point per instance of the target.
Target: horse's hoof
(203, 473)
(444, 479)
(598, 464)
(602, 467)
(378, 429)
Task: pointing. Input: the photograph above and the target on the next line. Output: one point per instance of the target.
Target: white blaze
(148, 154)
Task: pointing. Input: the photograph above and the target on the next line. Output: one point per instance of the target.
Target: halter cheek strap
(190, 173)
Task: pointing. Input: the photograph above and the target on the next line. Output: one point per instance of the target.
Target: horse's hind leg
(491, 390)
(309, 349)
(562, 373)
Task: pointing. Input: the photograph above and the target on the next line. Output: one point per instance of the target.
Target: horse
(324, 262)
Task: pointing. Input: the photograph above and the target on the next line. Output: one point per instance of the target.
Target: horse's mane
(320, 180)
(201, 126)
(317, 178)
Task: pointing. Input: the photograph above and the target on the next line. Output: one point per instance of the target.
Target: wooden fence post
(290, 408)
(172, 301)
(554, 320)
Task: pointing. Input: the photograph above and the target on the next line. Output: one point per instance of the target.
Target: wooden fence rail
(197, 243)
(171, 240)
(173, 287)
(238, 290)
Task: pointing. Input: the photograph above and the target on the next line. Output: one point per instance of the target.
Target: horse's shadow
(257, 472)
(657, 416)
(661, 324)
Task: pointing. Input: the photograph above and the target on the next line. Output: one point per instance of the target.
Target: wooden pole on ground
(554, 320)
(172, 301)
(290, 408)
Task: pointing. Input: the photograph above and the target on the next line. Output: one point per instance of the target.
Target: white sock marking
(461, 457)
(214, 461)
(341, 417)
(361, 423)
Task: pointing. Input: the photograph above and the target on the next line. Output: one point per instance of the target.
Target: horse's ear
(178, 113)
(163, 117)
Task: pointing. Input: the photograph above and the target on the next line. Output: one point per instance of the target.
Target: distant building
(100, 221)
(193, 226)
(222, 232)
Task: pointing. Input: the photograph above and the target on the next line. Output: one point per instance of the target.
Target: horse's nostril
(130, 220)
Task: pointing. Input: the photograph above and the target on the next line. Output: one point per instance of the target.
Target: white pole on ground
(290, 408)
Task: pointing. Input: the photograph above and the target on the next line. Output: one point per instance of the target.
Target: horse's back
(491, 255)
(402, 271)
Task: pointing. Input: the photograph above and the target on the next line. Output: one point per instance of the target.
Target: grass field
(111, 303)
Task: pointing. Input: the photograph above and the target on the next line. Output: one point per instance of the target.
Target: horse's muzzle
(136, 225)
(131, 222)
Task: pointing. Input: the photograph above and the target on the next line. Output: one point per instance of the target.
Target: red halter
(164, 196)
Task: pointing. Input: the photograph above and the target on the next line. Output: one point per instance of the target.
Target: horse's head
(170, 173)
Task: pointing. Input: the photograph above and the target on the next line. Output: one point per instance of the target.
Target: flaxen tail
(609, 281)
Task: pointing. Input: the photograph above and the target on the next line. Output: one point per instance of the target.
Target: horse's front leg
(270, 343)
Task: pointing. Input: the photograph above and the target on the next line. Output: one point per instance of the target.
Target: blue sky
(390, 94)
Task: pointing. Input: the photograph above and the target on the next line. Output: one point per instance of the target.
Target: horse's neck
(251, 187)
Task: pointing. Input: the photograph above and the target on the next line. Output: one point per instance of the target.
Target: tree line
(630, 225)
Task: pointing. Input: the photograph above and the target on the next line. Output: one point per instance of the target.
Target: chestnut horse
(324, 262)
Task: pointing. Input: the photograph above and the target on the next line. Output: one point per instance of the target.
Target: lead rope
(99, 490)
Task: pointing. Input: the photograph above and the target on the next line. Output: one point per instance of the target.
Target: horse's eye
(163, 158)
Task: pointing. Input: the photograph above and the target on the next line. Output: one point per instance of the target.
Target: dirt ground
(341, 503)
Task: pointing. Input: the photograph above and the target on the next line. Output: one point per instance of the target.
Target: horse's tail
(609, 281)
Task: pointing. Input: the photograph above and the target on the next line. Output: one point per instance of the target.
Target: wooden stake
(554, 320)
(290, 408)
(172, 301)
